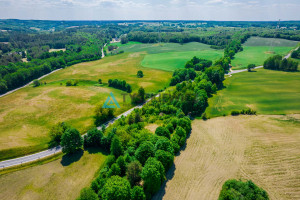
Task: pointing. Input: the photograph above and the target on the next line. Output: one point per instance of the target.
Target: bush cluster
(120, 84)
(277, 63)
(248, 111)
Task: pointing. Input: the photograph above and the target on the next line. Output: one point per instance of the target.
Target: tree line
(120, 84)
(277, 63)
(17, 74)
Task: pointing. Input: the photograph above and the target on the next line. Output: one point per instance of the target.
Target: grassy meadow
(257, 50)
(170, 56)
(59, 179)
(27, 115)
(266, 91)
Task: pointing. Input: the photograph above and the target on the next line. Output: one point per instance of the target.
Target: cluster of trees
(103, 114)
(68, 137)
(72, 82)
(112, 47)
(120, 84)
(198, 64)
(248, 111)
(237, 189)
(180, 75)
(277, 63)
(296, 54)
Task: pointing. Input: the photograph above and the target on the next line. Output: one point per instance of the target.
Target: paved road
(289, 54)
(241, 70)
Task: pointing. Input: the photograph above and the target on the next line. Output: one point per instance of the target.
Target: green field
(27, 115)
(257, 50)
(170, 56)
(266, 91)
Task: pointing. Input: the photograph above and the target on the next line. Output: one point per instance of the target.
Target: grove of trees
(277, 63)
(120, 84)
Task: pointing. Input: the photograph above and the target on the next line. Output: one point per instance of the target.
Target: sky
(222, 10)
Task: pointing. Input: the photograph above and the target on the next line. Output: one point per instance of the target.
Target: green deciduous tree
(87, 194)
(145, 150)
(153, 176)
(71, 141)
(162, 131)
(133, 172)
(140, 74)
(116, 188)
(165, 157)
(116, 148)
(137, 193)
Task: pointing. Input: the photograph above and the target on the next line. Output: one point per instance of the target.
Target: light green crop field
(266, 91)
(27, 115)
(170, 56)
(257, 50)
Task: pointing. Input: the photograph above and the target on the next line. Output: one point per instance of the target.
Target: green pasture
(266, 91)
(257, 50)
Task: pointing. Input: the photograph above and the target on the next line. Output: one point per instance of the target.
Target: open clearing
(264, 149)
(257, 50)
(27, 115)
(59, 179)
(170, 56)
(266, 91)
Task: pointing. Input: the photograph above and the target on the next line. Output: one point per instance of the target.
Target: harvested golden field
(264, 149)
(59, 179)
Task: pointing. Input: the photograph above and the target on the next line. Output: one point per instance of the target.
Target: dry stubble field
(264, 149)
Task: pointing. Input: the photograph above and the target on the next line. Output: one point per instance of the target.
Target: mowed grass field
(264, 149)
(170, 56)
(266, 91)
(59, 179)
(257, 50)
(27, 115)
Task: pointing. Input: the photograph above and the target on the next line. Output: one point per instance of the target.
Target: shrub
(235, 113)
(250, 67)
(140, 74)
(233, 189)
(36, 83)
(100, 81)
